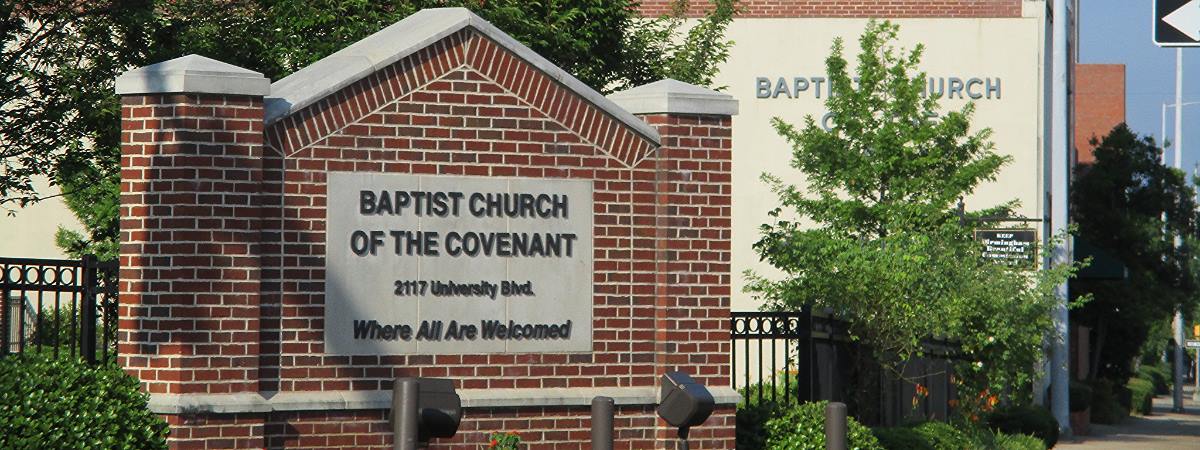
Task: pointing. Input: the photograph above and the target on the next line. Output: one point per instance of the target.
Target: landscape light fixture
(684, 403)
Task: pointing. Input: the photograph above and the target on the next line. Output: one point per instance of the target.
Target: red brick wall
(191, 171)
(217, 431)
(1099, 105)
(464, 106)
(851, 8)
(694, 222)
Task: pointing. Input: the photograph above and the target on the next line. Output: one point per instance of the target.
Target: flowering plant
(921, 392)
(504, 441)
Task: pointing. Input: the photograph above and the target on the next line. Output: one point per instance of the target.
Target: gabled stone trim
(334, 112)
(557, 102)
(296, 120)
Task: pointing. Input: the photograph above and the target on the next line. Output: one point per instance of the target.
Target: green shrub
(940, 436)
(752, 415)
(1002, 441)
(802, 427)
(980, 437)
(1142, 394)
(1030, 420)
(1106, 407)
(943, 436)
(48, 402)
(1159, 375)
(751, 425)
(901, 438)
(1081, 396)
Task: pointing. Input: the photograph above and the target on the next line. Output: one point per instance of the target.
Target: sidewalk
(1162, 430)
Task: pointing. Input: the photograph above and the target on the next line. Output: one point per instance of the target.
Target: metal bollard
(602, 423)
(835, 426)
(404, 414)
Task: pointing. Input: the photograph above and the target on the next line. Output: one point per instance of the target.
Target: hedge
(1017, 442)
(941, 436)
(1159, 375)
(1142, 394)
(1030, 420)
(49, 402)
(901, 438)
(802, 427)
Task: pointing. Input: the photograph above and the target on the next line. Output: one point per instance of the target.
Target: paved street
(1163, 430)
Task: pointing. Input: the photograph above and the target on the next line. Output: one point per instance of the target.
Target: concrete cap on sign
(193, 74)
(675, 97)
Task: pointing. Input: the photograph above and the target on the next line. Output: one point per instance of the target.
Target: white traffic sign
(1191, 344)
(1177, 23)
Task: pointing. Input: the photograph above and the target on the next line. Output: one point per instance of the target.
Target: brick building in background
(1099, 105)
(853, 8)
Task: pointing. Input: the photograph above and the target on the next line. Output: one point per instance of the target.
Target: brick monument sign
(435, 200)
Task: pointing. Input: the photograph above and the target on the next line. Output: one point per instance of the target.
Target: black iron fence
(799, 356)
(60, 306)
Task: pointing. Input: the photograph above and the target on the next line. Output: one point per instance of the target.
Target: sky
(1120, 32)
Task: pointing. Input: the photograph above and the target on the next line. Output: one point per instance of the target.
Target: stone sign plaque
(436, 264)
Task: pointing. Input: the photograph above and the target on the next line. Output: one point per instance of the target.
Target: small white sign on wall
(436, 264)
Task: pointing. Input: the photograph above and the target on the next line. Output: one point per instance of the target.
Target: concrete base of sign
(242, 402)
(352, 400)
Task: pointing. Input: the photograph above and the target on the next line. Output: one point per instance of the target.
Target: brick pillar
(692, 242)
(191, 169)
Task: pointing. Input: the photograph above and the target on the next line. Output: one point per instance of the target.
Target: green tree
(56, 103)
(1130, 205)
(602, 42)
(59, 117)
(874, 235)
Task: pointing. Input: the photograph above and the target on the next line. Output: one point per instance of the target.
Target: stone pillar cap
(193, 74)
(675, 97)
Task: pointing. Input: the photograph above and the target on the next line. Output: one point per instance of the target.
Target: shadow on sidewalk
(1160, 430)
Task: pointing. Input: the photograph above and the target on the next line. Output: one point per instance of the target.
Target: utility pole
(1178, 322)
(1060, 178)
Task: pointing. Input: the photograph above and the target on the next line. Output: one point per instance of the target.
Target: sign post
(1177, 24)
